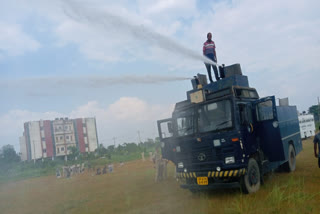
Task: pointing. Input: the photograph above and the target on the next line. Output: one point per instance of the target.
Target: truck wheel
(250, 182)
(290, 166)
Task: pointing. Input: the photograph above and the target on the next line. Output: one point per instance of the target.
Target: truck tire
(250, 182)
(290, 166)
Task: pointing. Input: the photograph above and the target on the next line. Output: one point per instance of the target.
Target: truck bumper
(213, 174)
(216, 179)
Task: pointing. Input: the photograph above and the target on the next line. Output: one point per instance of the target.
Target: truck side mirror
(170, 129)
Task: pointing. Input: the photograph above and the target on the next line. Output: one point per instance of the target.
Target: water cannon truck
(225, 135)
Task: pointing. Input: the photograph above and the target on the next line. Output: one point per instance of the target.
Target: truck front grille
(203, 157)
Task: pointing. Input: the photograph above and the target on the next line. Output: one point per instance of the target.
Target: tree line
(9, 155)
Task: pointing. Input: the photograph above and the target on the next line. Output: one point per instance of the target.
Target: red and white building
(52, 138)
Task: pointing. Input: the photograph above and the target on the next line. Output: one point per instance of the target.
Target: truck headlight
(229, 160)
(180, 165)
(178, 149)
(216, 142)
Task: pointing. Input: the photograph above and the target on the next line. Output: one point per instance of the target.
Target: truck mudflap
(213, 174)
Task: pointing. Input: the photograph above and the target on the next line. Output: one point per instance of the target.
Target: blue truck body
(225, 135)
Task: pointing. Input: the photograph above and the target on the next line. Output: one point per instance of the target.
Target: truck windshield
(185, 124)
(215, 116)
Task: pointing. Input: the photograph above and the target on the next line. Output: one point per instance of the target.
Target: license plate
(202, 180)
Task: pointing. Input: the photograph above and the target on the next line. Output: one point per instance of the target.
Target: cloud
(11, 123)
(121, 119)
(124, 117)
(169, 7)
(14, 42)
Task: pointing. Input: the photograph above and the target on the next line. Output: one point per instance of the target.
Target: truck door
(267, 128)
(166, 138)
(246, 122)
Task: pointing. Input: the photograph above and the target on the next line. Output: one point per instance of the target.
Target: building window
(44, 150)
(84, 134)
(41, 127)
(57, 139)
(62, 149)
(83, 124)
(43, 139)
(87, 145)
(67, 137)
(61, 137)
(71, 138)
(58, 150)
(66, 128)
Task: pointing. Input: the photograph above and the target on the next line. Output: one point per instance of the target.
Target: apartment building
(53, 138)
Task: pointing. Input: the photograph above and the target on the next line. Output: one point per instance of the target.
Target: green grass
(131, 189)
(116, 159)
(25, 170)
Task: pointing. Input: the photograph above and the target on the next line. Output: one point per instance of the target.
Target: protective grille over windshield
(215, 116)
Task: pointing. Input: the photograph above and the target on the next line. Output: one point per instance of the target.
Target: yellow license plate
(202, 180)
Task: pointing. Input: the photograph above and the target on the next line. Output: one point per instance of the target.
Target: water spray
(103, 20)
(88, 81)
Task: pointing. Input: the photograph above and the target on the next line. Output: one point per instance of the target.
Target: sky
(128, 62)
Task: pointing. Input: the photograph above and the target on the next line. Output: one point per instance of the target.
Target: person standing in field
(160, 166)
(316, 142)
(209, 50)
(157, 162)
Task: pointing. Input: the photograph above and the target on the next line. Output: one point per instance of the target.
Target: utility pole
(114, 141)
(139, 136)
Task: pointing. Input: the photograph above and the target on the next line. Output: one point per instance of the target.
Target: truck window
(184, 122)
(264, 111)
(165, 132)
(215, 116)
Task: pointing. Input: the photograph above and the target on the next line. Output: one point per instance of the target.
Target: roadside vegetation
(12, 169)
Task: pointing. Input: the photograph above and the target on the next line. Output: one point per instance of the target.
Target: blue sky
(52, 54)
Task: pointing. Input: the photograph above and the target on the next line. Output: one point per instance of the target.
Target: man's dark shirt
(317, 140)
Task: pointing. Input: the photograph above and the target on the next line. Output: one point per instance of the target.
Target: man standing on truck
(209, 50)
(316, 141)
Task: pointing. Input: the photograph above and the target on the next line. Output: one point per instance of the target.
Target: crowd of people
(68, 171)
(160, 166)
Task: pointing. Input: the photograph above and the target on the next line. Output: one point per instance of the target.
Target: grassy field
(131, 189)
(26, 170)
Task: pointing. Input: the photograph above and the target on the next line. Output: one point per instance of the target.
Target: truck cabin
(216, 110)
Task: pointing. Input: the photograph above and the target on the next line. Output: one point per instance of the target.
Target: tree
(157, 141)
(74, 152)
(101, 150)
(8, 154)
(131, 147)
(111, 148)
(120, 149)
(315, 111)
